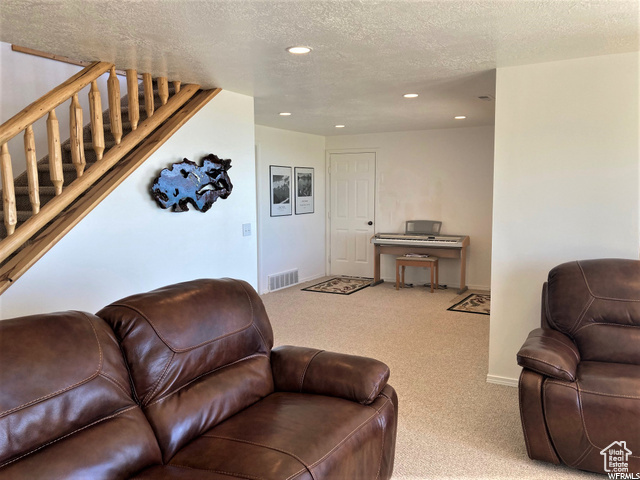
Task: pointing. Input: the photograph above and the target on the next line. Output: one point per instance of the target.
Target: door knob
(369, 222)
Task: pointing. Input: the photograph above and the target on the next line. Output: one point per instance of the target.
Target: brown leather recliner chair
(580, 384)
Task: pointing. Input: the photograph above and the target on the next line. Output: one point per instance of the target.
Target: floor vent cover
(282, 280)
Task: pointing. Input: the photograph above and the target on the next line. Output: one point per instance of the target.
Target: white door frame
(327, 184)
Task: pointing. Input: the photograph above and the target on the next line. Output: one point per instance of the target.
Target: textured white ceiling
(366, 54)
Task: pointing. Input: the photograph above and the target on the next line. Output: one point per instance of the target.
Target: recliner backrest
(66, 409)
(198, 352)
(597, 304)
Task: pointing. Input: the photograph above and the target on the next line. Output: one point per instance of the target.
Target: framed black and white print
(304, 190)
(281, 187)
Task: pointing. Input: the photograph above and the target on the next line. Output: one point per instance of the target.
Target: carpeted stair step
(87, 146)
(22, 196)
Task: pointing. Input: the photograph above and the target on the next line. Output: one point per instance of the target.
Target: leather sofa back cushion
(197, 352)
(597, 304)
(64, 388)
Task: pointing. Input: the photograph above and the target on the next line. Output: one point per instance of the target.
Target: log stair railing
(55, 193)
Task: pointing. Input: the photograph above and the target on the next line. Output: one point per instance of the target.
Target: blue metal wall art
(186, 182)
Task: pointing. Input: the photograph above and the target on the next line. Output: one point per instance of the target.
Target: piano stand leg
(374, 283)
(462, 290)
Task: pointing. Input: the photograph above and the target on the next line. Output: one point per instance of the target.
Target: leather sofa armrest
(550, 353)
(308, 370)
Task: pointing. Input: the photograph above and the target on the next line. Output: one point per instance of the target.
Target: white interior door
(353, 179)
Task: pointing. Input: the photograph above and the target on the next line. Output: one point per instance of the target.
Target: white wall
(434, 175)
(566, 183)
(26, 78)
(129, 245)
(296, 241)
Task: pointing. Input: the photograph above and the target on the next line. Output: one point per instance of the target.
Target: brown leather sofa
(580, 384)
(182, 383)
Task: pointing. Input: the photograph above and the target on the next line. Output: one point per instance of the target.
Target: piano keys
(441, 246)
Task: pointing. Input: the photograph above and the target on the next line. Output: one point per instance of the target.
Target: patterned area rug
(340, 285)
(474, 303)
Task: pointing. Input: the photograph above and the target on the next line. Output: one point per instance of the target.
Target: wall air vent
(282, 280)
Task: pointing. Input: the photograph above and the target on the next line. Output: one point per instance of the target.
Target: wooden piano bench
(427, 262)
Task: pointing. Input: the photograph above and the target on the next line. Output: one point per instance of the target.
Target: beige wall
(296, 241)
(565, 183)
(442, 175)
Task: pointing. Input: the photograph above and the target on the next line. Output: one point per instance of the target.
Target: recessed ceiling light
(410, 95)
(298, 50)
(460, 117)
(339, 126)
(285, 114)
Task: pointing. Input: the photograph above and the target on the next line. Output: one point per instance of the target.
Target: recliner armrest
(308, 370)
(550, 353)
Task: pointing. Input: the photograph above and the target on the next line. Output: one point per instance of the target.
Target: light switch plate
(246, 229)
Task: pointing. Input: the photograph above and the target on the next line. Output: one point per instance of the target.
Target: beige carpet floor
(452, 424)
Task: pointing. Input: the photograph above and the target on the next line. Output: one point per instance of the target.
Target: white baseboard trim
(508, 381)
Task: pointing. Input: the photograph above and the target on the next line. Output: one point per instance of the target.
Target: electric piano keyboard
(452, 241)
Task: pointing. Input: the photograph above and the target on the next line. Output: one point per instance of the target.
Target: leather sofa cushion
(198, 352)
(65, 401)
(597, 304)
(585, 416)
(293, 436)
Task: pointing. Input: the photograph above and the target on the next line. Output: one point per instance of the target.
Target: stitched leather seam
(571, 349)
(552, 451)
(253, 320)
(70, 387)
(115, 382)
(68, 435)
(381, 449)
(166, 342)
(298, 473)
(586, 282)
(633, 397)
(608, 324)
(582, 457)
(369, 399)
(150, 395)
(550, 364)
(230, 474)
(581, 316)
(342, 442)
(524, 428)
(256, 355)
(544, 407)
(293, 455)
(304, 372)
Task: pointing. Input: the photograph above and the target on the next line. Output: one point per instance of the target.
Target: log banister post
(97, 130)
(32, 169)
(8, 191)
(76, 135)
(147, 85)
(55, 152)
(163, 90)
(115, 115)
(132, 92)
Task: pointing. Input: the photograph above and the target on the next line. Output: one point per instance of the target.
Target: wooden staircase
(42, 204)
